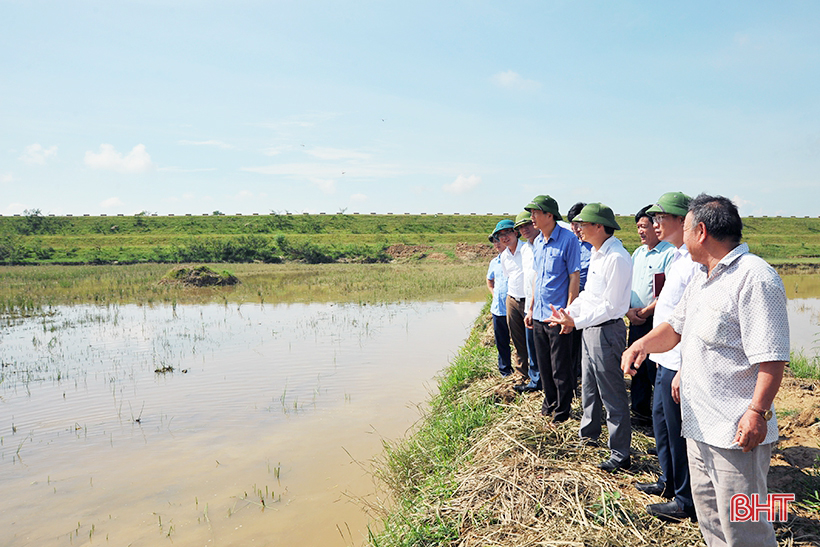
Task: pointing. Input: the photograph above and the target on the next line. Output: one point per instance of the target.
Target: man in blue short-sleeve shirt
(557, 262)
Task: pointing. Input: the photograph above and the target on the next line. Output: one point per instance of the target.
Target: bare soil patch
(466, 251)
(400, 250)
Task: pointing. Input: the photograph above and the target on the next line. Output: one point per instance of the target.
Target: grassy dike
(484, 468)
(34, 238)
(420, 470)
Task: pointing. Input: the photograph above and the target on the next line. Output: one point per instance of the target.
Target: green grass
(25, 289)
(34, 238)
(805, 367)
(420, 470)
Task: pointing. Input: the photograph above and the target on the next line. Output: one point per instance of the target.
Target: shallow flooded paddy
(209, 425)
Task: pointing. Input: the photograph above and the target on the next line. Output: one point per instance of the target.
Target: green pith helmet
(522, 218)
(546, 204)
(505, 224)
(597, 213)
(672, 203)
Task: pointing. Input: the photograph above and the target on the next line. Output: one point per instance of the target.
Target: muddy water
(261, 435)
(804, 312)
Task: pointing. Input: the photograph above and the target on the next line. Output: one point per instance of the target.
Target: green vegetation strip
(27, 289)
(34, 238)
(420, 470)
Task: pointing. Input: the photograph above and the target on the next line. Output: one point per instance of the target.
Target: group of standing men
(715, 356)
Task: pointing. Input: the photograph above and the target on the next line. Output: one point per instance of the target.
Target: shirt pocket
(717, 326)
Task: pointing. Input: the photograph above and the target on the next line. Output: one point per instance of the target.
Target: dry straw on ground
(528, 483)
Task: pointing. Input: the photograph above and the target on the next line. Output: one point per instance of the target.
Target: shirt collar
(610, 241)
(730, 258)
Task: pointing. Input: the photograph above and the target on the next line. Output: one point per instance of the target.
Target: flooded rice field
(209, 425)
(220, 425)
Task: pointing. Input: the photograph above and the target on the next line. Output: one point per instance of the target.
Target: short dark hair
(609, 230)
(719, 215)
(643, 213)
(575, 210)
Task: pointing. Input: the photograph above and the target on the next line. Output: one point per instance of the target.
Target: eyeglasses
(658, 218)
(506, 232)
(494, 239)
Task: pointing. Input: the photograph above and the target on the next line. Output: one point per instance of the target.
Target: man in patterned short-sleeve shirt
(733, 328)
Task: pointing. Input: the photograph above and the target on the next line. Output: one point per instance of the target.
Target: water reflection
(252, 439)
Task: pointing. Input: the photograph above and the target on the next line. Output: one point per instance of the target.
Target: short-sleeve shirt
(496, 274)
(554, 260)
(513, 265)
(646, 263)
(729, 321)
(678, 275)
(586, 253)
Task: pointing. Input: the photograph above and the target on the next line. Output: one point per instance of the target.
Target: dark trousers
(515, 321)
(502, 343)
(554, 356)
(644, 379)
(671, 446)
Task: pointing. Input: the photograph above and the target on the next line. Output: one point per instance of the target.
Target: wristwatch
(766, 414)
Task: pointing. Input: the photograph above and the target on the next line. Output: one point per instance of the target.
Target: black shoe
(612, 465)
(652, 451)
(653, 489)
(586, 442)
(671, 512)
(525, 388)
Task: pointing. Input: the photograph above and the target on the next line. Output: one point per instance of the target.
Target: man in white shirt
(512, 263)
(733, 327)
(599, 310)
(523, 223)
(667, 217)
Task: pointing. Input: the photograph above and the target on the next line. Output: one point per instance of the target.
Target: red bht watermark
(743, 507)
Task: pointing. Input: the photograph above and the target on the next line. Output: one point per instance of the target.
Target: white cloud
(328, 186)
(111, 202)
(740, 202)
(358, 198)
(218, 144)
(276, 150)
(182, 170)
(137, 160)
(337, 154)
(512, 80)
(244, 194)
(462, 184)
(35, 154)
(6, 177)
(15, 208)
(325, 170)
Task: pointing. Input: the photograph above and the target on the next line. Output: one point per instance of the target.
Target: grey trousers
(602, 381)
(717, 474)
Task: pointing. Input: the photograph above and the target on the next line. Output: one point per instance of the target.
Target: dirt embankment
(463, 251)
(537, 482)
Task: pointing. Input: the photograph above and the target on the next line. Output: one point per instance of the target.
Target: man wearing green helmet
(523, 223)
(599, 310)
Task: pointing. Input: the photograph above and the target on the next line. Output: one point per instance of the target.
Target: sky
(394, 106)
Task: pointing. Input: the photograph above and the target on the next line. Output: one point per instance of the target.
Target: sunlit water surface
(262, 434)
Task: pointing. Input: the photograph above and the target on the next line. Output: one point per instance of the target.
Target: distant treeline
(34, 238)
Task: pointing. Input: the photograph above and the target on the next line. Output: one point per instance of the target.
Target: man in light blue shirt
(653, 257)
(497, 283)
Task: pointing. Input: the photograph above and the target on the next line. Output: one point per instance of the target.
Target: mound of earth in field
(199, 276)
(466, 251)
(400, 250)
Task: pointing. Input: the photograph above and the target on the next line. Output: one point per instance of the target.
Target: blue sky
(195, 106)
